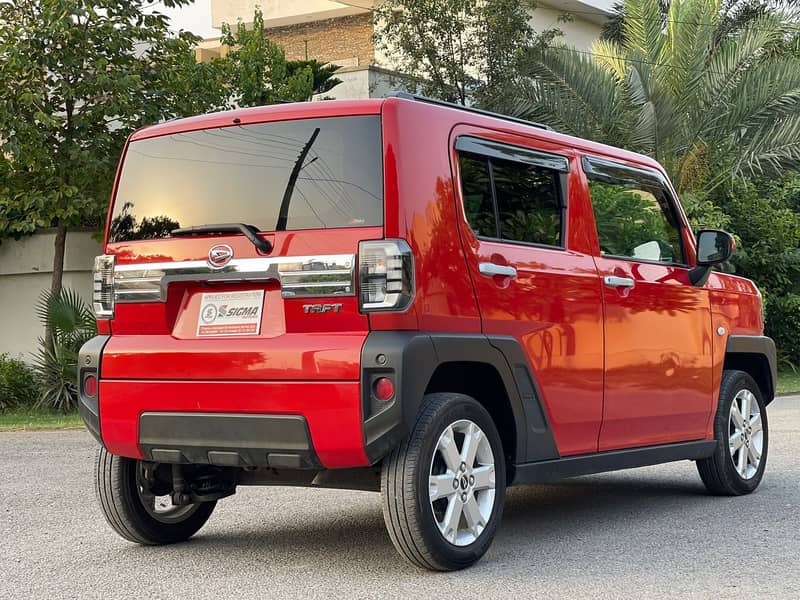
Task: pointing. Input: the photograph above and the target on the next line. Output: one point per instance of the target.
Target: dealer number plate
(230, 313)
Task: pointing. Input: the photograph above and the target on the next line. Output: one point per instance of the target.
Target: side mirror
(713, 247)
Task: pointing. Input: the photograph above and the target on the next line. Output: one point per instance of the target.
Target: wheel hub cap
(745, 434)
(462, 482)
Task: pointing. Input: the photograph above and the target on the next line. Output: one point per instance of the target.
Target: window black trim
(484, 238)
(644, 261)
(474, 145)
(493, 189)
(592, 164)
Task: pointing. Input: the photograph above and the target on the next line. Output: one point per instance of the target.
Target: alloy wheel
(461, 485)
(745, 434)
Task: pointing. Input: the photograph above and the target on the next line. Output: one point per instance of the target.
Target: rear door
(212, 306)
(533, 280)
(658, 386)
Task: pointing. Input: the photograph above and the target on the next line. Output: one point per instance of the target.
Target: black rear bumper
(227, 440)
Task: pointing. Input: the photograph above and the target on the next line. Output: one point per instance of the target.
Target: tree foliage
(258, 72)
(463, 51)
(709, 108)
(76, 77)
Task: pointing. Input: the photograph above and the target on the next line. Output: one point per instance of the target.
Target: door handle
(491, 269)
(613, 281)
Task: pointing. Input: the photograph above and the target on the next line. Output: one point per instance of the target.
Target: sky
(196, 17)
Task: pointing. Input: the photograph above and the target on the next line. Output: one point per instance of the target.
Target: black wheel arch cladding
(411, 358)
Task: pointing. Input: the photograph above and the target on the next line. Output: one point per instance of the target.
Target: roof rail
(487, 113)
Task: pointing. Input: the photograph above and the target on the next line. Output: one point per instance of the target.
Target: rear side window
(326, 173)
(634, 215)
(512, 200)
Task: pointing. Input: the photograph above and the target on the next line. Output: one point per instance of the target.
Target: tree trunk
(59, 246)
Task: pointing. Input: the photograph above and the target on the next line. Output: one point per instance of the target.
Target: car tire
(738, 463)
(133, 513)
(441, 512)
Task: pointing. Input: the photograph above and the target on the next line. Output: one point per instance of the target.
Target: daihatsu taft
(412, 297)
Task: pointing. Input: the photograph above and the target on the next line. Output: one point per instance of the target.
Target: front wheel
(137, 514)
(443, 488)
(740, 428)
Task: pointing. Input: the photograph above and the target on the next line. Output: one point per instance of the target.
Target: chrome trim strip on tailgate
(299, 276)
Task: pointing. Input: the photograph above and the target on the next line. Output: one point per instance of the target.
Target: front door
(658, 386)
(533, 275)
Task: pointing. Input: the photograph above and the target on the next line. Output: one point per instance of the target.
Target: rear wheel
(740, 428)
(138, 514)
(443, 488)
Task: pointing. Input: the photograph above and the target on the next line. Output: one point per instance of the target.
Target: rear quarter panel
(420, 207)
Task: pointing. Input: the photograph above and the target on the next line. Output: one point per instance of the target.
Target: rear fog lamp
(383, 388)
(90, 386)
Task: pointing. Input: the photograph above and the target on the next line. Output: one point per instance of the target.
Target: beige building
(341, 31)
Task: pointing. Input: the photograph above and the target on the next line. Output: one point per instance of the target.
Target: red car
(412, 297)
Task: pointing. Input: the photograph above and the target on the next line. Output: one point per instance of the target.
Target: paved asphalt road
(644, 533)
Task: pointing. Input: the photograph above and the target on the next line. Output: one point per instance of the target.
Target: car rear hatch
(232, 249)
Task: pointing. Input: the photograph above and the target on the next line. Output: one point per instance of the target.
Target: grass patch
(788, 382)
(31, 419)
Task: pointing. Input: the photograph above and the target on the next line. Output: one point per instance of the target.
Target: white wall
(581, 32)
(26, 267)
(354, 84)
(282, 12)
(363, 82)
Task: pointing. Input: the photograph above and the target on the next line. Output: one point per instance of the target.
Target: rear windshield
(323, 173)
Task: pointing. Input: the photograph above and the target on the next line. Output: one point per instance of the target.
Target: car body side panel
(736, 308)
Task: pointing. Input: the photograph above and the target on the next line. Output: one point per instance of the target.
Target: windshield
(303, 174)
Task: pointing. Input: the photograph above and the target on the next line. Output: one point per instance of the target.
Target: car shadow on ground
(355, 534)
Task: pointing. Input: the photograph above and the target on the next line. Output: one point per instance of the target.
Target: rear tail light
(385, 275)
(103, 286)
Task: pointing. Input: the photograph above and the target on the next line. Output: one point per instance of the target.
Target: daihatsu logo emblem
(219, 256)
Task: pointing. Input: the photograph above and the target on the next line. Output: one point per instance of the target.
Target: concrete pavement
(644, 533)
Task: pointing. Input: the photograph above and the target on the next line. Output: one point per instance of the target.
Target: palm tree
(733, 15)
(708, 103)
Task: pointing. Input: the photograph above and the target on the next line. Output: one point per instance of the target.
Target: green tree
(733, 16)
(708, 108)
(322, 75)
(76, 77)
(464, 51)
(259, 74)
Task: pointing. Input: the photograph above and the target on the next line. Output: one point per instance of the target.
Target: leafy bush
(783, 326)
(70, 323)
(769, 234)
(17, 383)
(764, 216)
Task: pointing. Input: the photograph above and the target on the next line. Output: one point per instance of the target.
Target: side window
(528, 202)
(476, 188)
(511, 200)
(634, 216)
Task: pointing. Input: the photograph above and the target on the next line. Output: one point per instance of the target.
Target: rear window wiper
(249, 231)
(283, 211)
